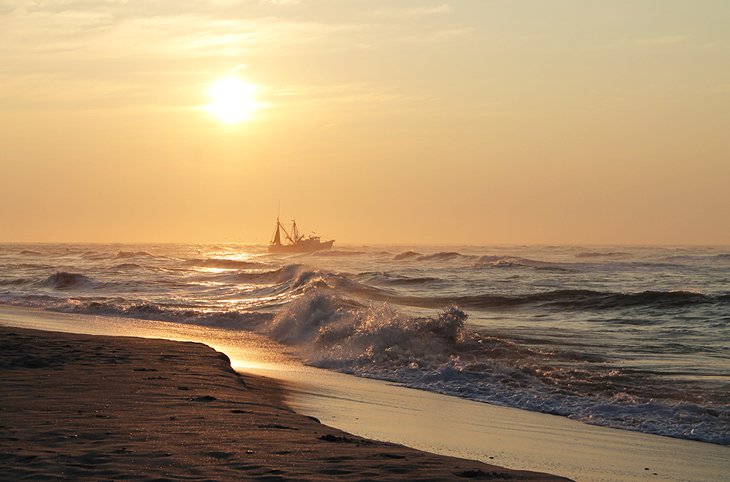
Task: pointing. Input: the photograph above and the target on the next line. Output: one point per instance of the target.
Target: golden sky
(467, 122)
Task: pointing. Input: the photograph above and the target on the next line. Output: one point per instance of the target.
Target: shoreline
(93, 406)
(423, 420)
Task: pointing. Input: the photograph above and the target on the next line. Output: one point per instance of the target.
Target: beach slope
(100, 407)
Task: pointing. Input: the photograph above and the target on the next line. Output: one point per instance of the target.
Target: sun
(232, 100)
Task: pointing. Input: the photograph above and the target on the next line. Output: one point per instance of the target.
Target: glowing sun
(232, 100)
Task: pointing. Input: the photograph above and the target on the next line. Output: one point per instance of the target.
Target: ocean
(636, 338)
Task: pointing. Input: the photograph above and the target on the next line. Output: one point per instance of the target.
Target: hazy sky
(473, 121)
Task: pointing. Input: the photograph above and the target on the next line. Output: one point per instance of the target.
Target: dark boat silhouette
(297, 243)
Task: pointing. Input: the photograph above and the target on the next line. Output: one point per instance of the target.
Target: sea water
(635, 338)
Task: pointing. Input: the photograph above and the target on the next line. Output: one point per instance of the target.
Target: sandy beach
(100, 407)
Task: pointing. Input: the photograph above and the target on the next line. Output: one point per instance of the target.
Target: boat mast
(277, 234)
(294, 230)
(293, 238)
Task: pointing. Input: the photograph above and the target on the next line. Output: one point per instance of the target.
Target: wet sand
(100, 407)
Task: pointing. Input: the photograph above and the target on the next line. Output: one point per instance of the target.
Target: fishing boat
(297, 243)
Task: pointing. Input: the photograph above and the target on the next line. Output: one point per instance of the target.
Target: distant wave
(381, 277)
(94, 255)
(128, 266)
(406, 255)
(571, 299)
(517, 262)
(336, 252)
(440, 256)
(602, 254)
(15, 281)
(227, 263)
(62, 280)
(30, 252)
(697, 257)
(134, 254)
(607, 300)
(9, 267)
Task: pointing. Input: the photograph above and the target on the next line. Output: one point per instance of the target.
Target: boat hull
(305, 246)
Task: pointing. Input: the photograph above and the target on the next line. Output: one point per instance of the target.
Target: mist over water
(635, 338)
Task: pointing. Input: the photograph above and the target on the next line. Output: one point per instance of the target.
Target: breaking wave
(346, 329)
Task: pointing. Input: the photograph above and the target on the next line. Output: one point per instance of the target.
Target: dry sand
(100, 407)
